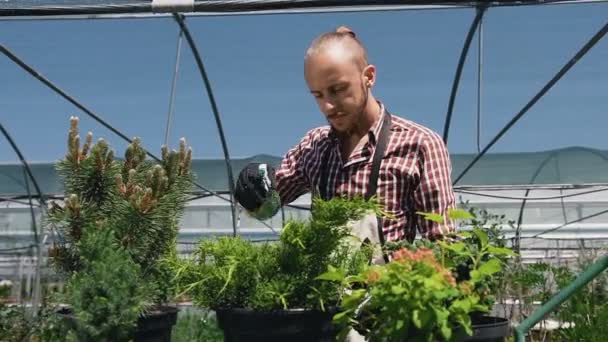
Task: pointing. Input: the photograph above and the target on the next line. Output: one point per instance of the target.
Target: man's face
(339, 87)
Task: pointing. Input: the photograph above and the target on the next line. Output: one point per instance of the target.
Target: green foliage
(233, 272)
(429, 290)
(140, 200)
(584, 314)
(196, 326)
(13, 323)
(105, 296)
(117, 223)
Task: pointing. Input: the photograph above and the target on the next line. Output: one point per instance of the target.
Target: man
(412, 165)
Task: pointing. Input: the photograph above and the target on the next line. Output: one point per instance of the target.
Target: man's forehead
(328, 75)
(331, 64)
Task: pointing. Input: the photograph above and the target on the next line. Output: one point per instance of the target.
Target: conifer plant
(118, 220)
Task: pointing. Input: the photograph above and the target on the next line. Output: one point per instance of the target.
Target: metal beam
(462, 59)
(580, 54)
(259, 7)
(216, 114)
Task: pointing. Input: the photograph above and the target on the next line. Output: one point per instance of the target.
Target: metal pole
(39, 246)
(461, 60)
(479, 80)
(260, 7)
(173, 85)
(218, 120)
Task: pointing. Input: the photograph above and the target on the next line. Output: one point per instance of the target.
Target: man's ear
(369, 75)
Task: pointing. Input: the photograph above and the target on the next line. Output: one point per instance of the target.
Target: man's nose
(328, 107)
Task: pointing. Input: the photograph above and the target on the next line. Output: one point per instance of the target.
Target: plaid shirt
(415, 175)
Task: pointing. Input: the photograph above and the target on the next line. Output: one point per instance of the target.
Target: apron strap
(373, 178)
(372, 186)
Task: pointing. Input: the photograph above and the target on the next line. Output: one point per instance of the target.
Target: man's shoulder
(316, 134)
(401, 124)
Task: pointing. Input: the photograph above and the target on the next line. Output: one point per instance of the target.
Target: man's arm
(292, 178)
(434, 193)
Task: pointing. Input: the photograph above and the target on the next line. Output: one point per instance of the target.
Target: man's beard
(360, 113)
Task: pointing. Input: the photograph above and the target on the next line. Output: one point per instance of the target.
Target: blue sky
(122, 70)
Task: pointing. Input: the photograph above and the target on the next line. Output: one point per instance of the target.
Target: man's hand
(255, 191)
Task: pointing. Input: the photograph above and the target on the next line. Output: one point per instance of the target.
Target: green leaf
(446, 332)
(431, 216)
(457, 247)
(483, 237)
(416, 319)
(501, 251)
(333, 274)
(475, 276)
(399, 324)
(490, 267)
(463, 305)
(397, 289)
(459, 214)
(467, 235)
(341, 315)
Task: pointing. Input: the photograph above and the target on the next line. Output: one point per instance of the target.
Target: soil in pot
(274, 326)
(155, 326)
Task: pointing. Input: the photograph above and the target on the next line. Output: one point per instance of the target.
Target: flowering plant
(428, 292)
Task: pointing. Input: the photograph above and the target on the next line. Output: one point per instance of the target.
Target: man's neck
(349, 141)
(370, 116)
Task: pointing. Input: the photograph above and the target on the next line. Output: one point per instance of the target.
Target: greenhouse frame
(556, 200)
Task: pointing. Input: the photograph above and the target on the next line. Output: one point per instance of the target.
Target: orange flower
(373, 276)
(423, 255)
(403, 254)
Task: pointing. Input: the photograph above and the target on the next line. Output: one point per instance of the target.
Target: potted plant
(271, 291)
(118, 221)
(430, 291)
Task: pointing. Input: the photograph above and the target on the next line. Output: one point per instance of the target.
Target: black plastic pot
(280, 325)
(155, 326)
(488, 329)
(485, 329)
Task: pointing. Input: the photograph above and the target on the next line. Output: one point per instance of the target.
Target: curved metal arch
(463, 56)
(41, 199)
(520, 217)
(28, 171)
(542, 165)
(201, 67)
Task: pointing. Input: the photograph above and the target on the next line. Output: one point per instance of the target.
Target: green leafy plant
(428, 292)
(14, 325)
(193, 325)
(231, 272)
